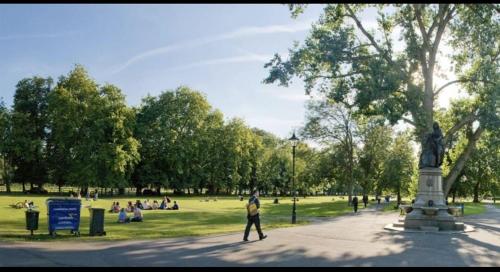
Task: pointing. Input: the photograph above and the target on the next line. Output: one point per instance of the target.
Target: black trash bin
(97, 222)
(32, 220)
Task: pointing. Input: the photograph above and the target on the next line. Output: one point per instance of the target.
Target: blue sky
(219, 50)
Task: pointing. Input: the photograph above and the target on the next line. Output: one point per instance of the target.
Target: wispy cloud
(241, 32)
(34, 36)
(236, 59)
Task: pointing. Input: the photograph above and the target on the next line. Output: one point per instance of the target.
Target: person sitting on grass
(112, 207)
(137, 215)
(122, 216)
(146, 205)
(130, 207)
(117, 207)
(26, 204)
(164, 205)
(155, 205)
(138, 204)
(175, 207)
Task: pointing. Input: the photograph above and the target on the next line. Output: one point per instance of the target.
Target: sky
(217, 49)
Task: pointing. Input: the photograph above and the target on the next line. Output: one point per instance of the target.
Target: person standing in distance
(355, 204)
(253, 216)
(365, 199)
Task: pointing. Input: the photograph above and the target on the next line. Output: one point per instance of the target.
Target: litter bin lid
(32, 211)
(63, 199)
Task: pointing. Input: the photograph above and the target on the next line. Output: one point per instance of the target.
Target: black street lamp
(294, 140)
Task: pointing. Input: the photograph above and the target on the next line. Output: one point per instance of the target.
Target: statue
(432, 149)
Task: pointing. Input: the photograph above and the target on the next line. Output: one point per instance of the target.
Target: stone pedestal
(430, 187)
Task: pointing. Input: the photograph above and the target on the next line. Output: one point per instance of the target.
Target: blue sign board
(63, 213)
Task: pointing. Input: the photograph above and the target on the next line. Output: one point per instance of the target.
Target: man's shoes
(245, 240)
(263, 237)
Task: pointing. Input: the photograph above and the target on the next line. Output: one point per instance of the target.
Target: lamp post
(294, 140)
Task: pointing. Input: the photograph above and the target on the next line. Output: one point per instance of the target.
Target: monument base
(430, 210)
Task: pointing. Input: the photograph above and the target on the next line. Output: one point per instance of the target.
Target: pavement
(349, 240)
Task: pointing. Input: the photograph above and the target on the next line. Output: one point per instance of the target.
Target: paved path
(351, 240)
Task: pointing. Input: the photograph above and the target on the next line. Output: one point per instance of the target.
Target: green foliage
(91, 141)
(29, 130)
(398, 169)
(359, 67)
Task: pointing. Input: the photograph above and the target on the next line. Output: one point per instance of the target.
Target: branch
(471, 117)
(370, 37)
(460, 80)
(436, 19)
(418, 15)
(462, 159)
(439, 34)
(409, 121)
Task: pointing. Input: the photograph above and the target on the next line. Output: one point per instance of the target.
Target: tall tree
(29, 130)
(91, 142)
(330, 122)
(361, 67)
(398, 168)
(169, 129)
(376, 139)
(5, 129)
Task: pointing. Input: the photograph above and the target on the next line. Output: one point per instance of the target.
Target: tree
(90, 141)
(362, 68)
(398, 168)
(483, 168)
(5, 128)
(376, 140)
(328, 121)
(116, 148)
(169, 128)
(29, 130)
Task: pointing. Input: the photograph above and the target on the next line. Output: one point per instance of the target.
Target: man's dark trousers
(253, 220)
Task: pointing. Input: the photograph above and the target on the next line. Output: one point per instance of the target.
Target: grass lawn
(474, 208)
(470, 208)
(195, 217)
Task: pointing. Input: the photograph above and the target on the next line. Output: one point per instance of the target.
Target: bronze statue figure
(432, 149)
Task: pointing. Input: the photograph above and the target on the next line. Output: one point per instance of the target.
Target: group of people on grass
(138, 207)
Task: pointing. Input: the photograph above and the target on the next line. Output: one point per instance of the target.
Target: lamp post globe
(294, 141)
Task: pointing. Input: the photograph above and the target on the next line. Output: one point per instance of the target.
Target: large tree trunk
(459, 165)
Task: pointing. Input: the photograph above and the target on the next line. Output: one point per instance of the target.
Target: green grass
(195, 217)
(471, 208)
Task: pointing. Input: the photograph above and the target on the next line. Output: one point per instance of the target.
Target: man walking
(253, 216)
(355, 204)
(365, 200)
